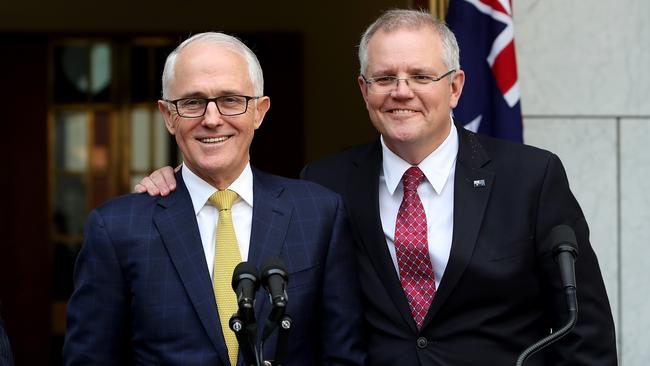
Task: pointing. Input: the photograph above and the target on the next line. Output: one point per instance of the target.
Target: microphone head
(563, 239)
(245, 270)
(273, 266)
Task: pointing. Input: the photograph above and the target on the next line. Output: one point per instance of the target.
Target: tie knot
(223, 200)
(412, 178)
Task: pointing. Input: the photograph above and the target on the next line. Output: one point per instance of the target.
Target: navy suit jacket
(501, 289)
(6, 358)
(143, 293)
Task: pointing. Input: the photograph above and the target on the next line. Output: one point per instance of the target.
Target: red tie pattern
(412, 249)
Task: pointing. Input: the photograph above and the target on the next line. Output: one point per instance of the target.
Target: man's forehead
(209, 70)
(410, 68)
(405, 42)
(414, 49)
(202, 52)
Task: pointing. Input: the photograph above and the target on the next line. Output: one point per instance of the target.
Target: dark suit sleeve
(342, 314)
(6, 358)
(592, 341)
(97, 312)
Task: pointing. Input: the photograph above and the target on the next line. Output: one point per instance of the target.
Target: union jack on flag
(490, 102)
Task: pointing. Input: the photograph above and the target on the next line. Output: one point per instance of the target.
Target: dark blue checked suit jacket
(6, 358)
(143, 293)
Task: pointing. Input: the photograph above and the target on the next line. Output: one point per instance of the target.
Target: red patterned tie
(415, 270)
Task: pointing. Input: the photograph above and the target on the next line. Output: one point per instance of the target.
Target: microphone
(274, 280)
(245, 284)
(565, 252)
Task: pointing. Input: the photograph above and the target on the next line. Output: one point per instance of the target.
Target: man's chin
(395, 141)
(401, 136)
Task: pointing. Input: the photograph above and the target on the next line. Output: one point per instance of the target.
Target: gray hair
(233, 43)
(411, 19)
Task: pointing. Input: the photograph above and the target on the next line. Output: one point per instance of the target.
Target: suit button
(422, 342)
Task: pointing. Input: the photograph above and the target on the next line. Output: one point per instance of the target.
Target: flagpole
(438, 8)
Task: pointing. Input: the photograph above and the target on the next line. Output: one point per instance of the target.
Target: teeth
(402, 111)
(214, 139)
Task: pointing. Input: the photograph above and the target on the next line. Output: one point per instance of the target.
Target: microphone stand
(246, 344)
(572, 304)
(281, 347)
(274, 278)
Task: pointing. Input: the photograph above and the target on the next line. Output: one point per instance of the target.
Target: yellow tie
(226, 258)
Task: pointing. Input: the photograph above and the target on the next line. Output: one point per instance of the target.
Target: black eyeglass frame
(207, 102)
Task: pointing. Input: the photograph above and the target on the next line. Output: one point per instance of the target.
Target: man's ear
(363, 87)
(456, 86)
(167, 115)
(262, 106)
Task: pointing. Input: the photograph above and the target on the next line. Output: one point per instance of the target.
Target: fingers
(168, 181)
(147, 185)
(139, 188)
(160, 182)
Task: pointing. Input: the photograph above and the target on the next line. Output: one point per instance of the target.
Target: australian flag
(490, 102)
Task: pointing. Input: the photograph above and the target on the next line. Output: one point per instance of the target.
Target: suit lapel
(176, 222)
(472, 187)
(271, 217)
(362, 197)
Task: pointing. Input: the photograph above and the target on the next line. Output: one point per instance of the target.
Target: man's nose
(402, 89)
(212, 115)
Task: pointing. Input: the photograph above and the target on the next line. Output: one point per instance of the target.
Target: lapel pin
(479, 183)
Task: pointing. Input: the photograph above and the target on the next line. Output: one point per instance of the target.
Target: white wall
(585, 83)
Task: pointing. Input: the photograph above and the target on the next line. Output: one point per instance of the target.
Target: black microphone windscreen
(563, 238)
(273, 265)
(244, 270)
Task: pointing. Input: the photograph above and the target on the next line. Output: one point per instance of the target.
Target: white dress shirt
(207, 216)
(436, 193)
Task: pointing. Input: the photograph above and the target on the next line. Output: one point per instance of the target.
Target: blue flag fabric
(490, 102)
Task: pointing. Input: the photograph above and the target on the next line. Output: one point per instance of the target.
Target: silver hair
(411, 19)
(233, 43)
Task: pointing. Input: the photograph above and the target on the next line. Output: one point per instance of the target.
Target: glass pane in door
(71, 141)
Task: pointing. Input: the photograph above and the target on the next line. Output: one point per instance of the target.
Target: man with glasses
(153, 278)
(451, 228)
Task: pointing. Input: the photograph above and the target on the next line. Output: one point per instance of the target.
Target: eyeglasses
(227, 105)
(388, 84)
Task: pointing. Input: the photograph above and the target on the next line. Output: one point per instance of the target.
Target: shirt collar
(436, 166)
(201, 190)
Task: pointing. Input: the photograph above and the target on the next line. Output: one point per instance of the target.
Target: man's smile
(213, 140)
